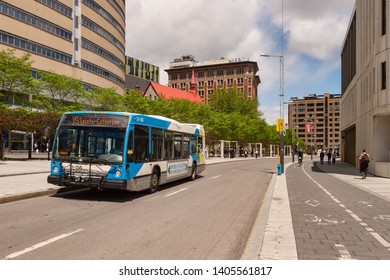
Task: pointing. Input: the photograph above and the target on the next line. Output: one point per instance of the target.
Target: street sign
(279, 125)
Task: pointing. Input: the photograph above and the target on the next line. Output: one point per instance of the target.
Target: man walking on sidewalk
(364, 159)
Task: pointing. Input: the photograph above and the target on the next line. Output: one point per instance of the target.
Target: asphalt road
(209, 218)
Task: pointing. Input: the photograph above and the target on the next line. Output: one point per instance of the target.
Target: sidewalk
(272, 236)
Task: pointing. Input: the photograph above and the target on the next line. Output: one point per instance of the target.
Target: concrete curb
(27, 173)
(272, 236)
(12, 198)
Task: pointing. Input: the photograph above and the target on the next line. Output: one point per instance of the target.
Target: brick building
(316, 120)
(212, 75)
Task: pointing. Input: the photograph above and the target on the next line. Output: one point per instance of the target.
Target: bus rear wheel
(154, 181)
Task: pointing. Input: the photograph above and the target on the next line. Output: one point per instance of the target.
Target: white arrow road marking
(39, 245)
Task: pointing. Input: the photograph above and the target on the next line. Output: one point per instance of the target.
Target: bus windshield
(93, 144)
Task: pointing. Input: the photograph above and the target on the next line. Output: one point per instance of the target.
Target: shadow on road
(117, 196)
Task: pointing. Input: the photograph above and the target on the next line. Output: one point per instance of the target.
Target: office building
(139, 74)
(84, 39)
(365, 102)
(212, 75)
(316, 120)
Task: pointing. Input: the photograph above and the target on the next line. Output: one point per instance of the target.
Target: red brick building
(212, 75)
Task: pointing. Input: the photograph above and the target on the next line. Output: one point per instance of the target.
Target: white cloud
(160, 31)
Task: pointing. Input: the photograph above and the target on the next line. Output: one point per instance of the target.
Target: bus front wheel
(154, 180)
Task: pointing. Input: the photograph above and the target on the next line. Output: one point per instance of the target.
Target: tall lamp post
(281, 95)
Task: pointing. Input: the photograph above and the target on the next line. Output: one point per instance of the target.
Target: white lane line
(39, 245)
(376, 235)
(168, 195)
(215, 177)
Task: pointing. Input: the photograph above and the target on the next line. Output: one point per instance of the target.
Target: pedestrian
(364, 159)
(322, 155)
(256, 153)
(334, 157)
(36, 147)
(329, 154)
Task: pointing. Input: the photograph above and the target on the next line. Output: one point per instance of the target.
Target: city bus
(124, 151)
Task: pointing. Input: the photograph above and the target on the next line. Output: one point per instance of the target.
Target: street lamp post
(281, 95)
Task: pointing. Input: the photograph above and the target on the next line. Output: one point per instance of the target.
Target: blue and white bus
(124, 151)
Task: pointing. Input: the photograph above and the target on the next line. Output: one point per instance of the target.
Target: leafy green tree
(15, 75)
(134, 102)
(59, 92)
(232, 100)
(103, 99)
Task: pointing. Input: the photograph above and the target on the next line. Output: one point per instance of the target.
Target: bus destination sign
(95, 120)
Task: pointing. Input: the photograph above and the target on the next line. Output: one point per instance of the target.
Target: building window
(41, 50)
(200, 74)
(383, 70)
(210, 83)
(219, 72)
(183, 76)
(35, 21)
(240, 81)
(201, 84)
(230, 72)
(210, 73)
(240, 71)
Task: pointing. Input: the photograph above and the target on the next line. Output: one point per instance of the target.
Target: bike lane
(333, 219)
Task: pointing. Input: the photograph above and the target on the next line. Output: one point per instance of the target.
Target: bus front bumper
(92, 183)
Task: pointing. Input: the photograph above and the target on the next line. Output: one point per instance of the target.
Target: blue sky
(314, 30)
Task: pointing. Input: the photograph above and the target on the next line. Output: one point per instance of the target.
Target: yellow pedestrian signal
(279, 125)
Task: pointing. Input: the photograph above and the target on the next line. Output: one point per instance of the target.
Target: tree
(103, 99)
(59, 92)
(134, 102)
(232, 100)
(15, 74)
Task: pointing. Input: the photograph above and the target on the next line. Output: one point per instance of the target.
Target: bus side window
(157, 144)
(141, 143)
(168, 145)
(178, 144)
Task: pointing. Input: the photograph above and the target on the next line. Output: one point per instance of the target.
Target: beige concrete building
(316, 120)
(84, 39)
(211, 75)
(365, 103)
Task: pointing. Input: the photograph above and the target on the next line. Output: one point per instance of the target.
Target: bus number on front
(139, 119)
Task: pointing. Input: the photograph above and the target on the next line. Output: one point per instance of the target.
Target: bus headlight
(118, 173)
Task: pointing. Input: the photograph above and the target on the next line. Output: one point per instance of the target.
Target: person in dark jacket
(364, 159)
